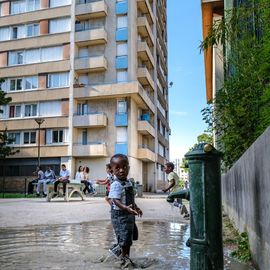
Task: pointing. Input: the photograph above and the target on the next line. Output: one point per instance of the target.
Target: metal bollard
(205, 208)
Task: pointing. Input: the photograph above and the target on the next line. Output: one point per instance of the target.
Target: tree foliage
(241, 108)
(5, 141)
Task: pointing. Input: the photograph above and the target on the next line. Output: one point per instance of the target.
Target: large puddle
(161, 245)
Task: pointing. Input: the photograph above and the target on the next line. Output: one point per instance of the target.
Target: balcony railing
(90, 149)
(90, 64)
(91, 9)
(90, 120)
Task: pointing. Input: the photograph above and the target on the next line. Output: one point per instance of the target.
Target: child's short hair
(170, 165)
(108, 165)
(118, 156)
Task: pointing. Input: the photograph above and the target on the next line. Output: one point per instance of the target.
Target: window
(51, 54)
(59, 25)
(50, 108)
(122, 49)
(121, 106)
(58, 80)
(17, 7)
(122, 76)
(35, 55)
(82, 108)
(84, 137)
(15, 137)
(29, 137)
(15, 58)
(32, 30)
(57, 136)
(31, 56)
(18, 31)
(122, 21)
(14, 111)
(4, 33)
(15, 84)
(30, 110)
(31, 82)
(22, 6)
(121, 134)
(33, 5)
(58, 3)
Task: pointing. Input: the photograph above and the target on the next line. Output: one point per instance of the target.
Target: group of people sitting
(49, 177)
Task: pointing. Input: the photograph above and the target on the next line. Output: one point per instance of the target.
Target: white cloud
(179, 113)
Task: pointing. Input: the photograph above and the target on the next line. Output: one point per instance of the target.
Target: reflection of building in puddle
(76, 246)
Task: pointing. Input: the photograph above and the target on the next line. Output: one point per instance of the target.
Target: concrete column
(5, 8)
(44, 4)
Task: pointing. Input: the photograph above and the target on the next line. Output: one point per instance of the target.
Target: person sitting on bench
(40, 175)
(49, 177)
(64, 179)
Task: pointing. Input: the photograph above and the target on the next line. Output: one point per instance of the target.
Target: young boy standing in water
(124, 208)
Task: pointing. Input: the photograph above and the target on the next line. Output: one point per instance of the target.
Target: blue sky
(186, 70)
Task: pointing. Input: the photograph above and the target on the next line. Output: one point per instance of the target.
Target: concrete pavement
(29, 212)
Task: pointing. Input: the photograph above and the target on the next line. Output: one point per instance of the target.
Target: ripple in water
(77, 246)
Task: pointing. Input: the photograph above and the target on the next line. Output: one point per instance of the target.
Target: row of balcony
(89, 149)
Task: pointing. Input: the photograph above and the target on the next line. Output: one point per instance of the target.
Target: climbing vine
(240, 111)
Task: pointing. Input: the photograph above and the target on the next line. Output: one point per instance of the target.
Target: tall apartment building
(96, 72)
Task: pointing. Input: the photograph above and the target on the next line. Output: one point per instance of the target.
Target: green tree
(205, 138)
(241, 108)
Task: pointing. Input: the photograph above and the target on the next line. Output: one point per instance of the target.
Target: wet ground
(78, 246)
(35, 234)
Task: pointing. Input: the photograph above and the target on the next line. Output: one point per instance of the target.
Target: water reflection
(77, 246)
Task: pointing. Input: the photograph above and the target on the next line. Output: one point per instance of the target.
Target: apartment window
(59, 3)
(122, 76)
(31, 82)
(16, 84)
(122, 21)
(51, 54)
(32, 30)
(56, 80)
(59, 25)
(57, 136)
(121, 106)
(4, 33)
(30, 110)
(82, 108)
(84, 137)
(31, 56)
(121, 134)
(14, 111)
(15, 137)
(18, 32)
(22, 6)
(29, 137)
(17, 7)
(122, 49)
(15, 58)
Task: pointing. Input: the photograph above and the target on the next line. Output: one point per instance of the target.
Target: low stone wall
(15, 184)
(246, 198)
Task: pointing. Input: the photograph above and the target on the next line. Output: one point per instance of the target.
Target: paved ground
(25, 212)
(30, 212)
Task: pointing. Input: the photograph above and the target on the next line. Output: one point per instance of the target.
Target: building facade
(96, 72)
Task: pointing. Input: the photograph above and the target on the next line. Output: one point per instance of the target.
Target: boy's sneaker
(126, 262)
(115, 250)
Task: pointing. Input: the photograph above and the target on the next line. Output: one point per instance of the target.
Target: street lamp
(39, 121)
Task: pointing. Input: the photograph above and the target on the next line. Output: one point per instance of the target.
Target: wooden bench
(71, 188)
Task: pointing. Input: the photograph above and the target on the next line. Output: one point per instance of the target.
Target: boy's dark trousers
(31, 186)
(64, 182)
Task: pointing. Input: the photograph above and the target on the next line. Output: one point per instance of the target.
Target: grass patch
(235, 241)
(16, 196)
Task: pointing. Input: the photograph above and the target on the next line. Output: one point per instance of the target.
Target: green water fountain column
(205, 208)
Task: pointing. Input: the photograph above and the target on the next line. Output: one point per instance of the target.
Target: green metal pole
(205, 208)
